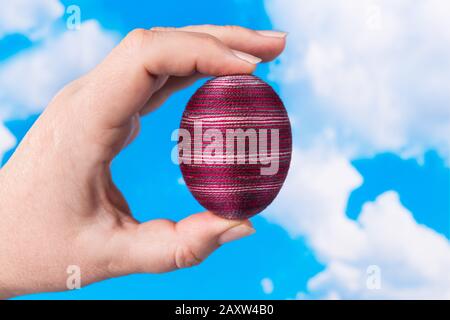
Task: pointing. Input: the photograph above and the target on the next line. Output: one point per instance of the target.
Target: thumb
(162, 245)
(200, 234)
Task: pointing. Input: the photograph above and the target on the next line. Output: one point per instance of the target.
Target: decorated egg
(234, 145)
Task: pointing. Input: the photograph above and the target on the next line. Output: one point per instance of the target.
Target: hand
(58, 203)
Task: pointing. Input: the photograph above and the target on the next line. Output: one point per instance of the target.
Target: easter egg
(234, 145)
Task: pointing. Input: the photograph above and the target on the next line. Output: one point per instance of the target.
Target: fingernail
(246, 57)
(236, 233)
(272, 33)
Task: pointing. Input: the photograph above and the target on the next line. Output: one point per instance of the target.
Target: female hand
(58, 204)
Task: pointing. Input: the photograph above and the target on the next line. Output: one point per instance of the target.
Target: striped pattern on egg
(235, 145)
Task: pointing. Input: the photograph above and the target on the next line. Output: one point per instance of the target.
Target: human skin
(58, 204)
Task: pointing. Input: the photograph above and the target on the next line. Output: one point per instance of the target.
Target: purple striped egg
(235, 145)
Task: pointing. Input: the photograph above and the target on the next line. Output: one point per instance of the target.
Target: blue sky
(292, 256)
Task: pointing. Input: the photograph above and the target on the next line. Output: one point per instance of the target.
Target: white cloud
(374, 76)
(7, 140)
(29, 17)
(30, 79)
(413, 259)
(378, 70)
(313, 201)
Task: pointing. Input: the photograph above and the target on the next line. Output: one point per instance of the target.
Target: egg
(235, 145)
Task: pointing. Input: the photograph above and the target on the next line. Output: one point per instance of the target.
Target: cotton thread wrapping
(236, 191)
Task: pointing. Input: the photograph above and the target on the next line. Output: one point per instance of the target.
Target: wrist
(7, 267)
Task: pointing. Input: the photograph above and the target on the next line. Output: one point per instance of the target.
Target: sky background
(365, 211)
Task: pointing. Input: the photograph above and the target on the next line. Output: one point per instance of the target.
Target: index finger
(265, 44)
(125, 80)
